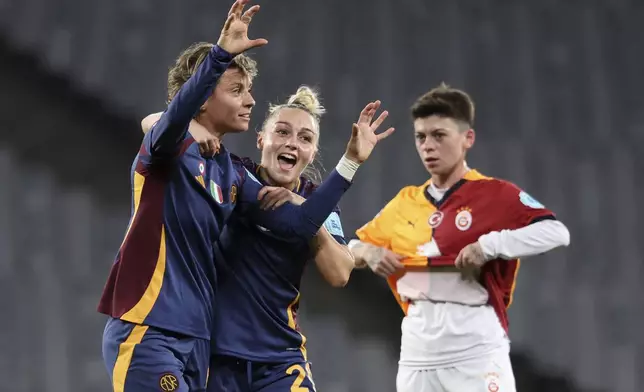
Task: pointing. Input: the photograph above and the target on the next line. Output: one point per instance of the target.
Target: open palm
(363, 136)
(234, 35)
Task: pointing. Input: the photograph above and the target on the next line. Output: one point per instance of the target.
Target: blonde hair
(307, 99)
(190, 59)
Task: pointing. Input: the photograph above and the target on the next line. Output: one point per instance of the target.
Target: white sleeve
(534, 239)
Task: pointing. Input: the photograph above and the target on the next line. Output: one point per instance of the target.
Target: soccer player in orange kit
(450, 250)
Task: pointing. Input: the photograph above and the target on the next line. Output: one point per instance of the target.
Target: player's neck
(267, 179)
(203, 121)
(448, 180)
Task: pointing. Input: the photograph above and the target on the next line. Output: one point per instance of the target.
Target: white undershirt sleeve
(534, 239)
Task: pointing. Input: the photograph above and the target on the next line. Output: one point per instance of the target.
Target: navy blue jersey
(259, 288)
(164, 274)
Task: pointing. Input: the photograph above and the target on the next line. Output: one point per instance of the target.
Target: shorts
(229, 374)
(142, 358)
(490, 374)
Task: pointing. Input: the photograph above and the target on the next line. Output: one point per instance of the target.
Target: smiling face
(228, 108)
(288, 143)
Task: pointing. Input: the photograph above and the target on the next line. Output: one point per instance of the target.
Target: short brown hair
(445, 101)
(188, 61)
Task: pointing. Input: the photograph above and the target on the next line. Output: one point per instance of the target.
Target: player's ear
(470, 137)
(260, 140)
(314, 155)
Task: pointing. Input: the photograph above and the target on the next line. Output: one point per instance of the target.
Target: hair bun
(307, 98)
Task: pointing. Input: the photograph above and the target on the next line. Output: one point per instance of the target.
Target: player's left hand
(234, 35)
(272, 197)
(471, 256)
(363, 133)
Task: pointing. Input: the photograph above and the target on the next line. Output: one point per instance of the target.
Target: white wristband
(347, 168)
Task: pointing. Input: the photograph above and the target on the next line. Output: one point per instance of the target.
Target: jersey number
(301, 373)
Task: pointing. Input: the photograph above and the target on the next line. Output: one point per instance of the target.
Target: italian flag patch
(215, 191)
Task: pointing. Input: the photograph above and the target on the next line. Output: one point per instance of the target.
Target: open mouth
(286, 161)
(431, 161)
(245, 116)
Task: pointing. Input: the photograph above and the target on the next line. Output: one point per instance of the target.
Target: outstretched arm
(166, 134)
(305, 220)
(164, 138)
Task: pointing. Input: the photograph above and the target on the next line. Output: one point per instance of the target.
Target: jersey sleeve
(379, 231)
(333, 225)
(289, 220)
(522, 208)
(165, 138)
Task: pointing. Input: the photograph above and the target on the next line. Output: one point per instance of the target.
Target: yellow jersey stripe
(141, 310)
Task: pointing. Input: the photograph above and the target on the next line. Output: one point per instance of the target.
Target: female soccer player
(161, 290)
(256, 342)
(450, 250)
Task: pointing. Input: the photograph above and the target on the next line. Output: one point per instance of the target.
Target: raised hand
(234, 35)
(363, 134)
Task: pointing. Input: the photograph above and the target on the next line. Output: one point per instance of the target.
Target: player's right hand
(389, 263)
(234, 35)
(208, 143)
(381, 261)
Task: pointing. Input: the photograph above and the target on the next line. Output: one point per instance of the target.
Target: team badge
(168, 383)
(492, 382)
(215, 191)
(202, 168)
(435, 219)
(463, 218)
(530, 201)
(233, 193)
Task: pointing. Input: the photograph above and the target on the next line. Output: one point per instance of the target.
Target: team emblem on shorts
(435, 219)
(202, 167)
(463, 218)
(492, 382)
(168, 383)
